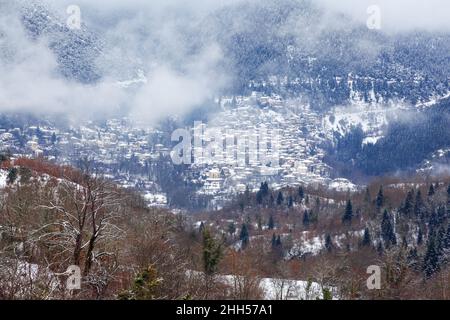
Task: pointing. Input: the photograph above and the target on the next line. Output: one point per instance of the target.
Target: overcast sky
(399, 15)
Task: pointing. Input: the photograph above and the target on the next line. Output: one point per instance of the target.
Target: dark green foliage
(367, 239)
(367, 196)
(280, 198)
(379, 201)
(327, 295)
(419, 205)
(290, 202)
(144, 287)
(306, 220)
(271, 224)
(419, 237)
(431, 260)
(408, 206)
(348, 213)
(328, 243)
(431, 191)
(387, 230)
(212, 253)
(301, 193)
(244, 236)
(12, 175)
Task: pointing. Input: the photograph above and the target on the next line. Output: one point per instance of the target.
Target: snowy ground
(3, 175)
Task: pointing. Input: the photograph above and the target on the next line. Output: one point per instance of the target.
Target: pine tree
(367, 196)
(278, 243)
(274, 240)
(12, 175)
(244, 236)
(418, 205)
(447, 238)
(306, 219)
(408, 206)
(53, 138)
(259, 197)
(379, 202)
(201, 229)
(290, 202)
(328, 243)
(419, 237)
(301, 193)
(348, 214)
(271, 224)
(431, 191)
(367, 239)
(431, 260)
(280, 198)
(387, 230)
(212, 253)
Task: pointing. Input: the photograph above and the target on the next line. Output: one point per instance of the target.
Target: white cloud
(399, 15)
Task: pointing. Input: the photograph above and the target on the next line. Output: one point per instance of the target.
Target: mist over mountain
(154, 61)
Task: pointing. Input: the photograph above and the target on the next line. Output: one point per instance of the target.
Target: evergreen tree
(348, 214)
(12, 175)
(290, 202)
(201, 229)
(301, 193)
(145, 286)
(431, 260)
(447, 238)
(367, 239)
(212, 253)
(328, 243)
(274, 240)
(418, 205)
(387, 230)
(278, 243)
(408, 206)
(306, 219)
(259, 197)
(271, 200)
(431, 191)
(367, 196)
(271, 224)
(280, 198)
(244, 236)
(54, 138)
(419, 237)
(379, 202)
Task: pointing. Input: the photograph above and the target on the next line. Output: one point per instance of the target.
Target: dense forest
(55, 217)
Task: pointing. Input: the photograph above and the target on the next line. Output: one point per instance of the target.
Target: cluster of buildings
(130, 155)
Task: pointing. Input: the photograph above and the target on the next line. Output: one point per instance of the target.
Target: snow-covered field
(3, 176)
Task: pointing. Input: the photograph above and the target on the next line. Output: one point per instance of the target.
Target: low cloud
(398, 15)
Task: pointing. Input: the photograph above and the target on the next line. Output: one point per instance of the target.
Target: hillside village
(129, 154)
